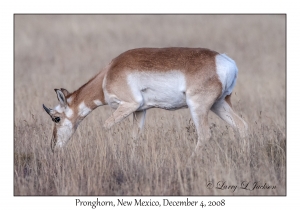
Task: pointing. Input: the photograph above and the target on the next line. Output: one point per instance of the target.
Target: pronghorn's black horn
(46, 109)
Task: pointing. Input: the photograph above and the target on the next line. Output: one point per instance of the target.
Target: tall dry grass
(65, 51)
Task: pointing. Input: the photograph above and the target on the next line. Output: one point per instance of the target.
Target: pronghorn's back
(187, 60)
(164, 58)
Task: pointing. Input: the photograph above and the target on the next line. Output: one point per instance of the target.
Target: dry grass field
(65, 51)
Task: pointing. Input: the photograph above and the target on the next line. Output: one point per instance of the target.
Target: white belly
(161, 90)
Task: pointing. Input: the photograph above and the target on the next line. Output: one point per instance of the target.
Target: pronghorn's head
(63, 117)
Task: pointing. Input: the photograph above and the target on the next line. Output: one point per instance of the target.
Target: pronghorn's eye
(56, 119)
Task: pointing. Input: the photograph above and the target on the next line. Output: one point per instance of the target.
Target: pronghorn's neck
(88, 97)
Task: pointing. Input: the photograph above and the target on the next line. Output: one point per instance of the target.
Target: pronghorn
(140, 79)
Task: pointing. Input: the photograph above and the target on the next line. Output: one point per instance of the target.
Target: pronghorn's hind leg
(224, 110)
(124, 109)
(199, 105)
(138, 123)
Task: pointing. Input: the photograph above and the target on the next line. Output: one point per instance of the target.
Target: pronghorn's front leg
(138, 123)
(124, 109)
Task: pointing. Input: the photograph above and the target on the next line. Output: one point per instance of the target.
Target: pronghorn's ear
(65, 92)
(61, 97)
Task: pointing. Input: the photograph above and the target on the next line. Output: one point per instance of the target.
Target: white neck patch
(83, 109)
(97, 102)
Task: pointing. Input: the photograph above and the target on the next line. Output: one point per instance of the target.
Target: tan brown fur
(90, 91)
(162, 59)
(197, 64)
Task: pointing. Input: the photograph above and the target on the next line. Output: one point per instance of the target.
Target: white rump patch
(227, 71)
(83, 109)
(97, 102)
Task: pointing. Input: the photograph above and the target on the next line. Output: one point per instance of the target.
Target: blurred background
(53, 51)
(65, 51)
